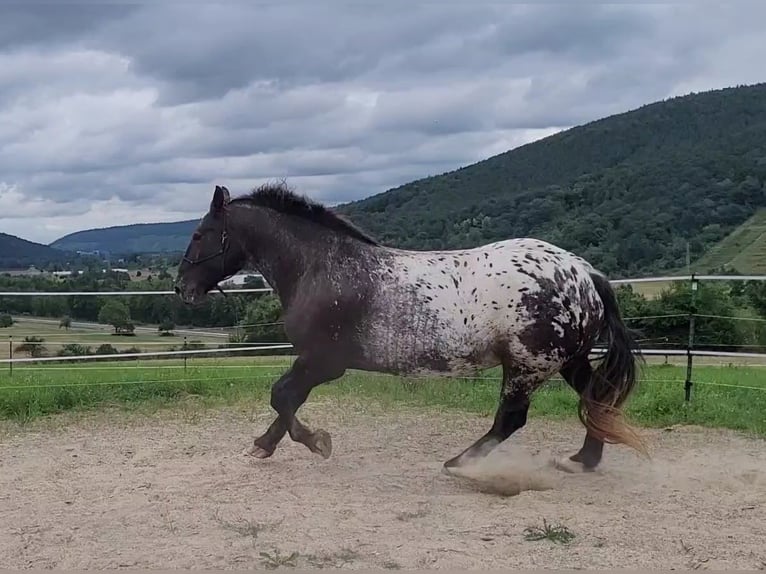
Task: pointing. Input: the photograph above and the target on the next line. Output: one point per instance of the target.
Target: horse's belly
(430, 342)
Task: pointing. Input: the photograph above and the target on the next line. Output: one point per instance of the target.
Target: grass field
(651, 290)
(146, 338)
(723, 396)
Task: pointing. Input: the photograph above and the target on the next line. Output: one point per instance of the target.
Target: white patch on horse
(455, 312)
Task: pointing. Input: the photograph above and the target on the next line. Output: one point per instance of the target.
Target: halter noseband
(220, 253)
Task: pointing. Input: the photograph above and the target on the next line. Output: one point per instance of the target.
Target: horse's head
(210, 256)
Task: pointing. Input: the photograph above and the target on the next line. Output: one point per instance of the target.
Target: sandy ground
(121, 490)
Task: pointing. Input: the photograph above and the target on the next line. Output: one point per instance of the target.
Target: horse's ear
(220, 199)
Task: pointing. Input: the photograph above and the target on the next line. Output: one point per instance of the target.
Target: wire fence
(229, 349)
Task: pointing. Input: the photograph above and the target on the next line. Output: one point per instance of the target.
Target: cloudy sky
(113, 114)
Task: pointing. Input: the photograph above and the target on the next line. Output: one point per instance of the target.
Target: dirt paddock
(119, 490)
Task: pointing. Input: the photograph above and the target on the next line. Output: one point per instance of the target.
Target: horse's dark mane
(279, 197)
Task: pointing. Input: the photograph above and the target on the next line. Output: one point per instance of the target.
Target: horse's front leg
(288, 393)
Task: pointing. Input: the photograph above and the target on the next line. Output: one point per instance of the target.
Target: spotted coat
(523, 301)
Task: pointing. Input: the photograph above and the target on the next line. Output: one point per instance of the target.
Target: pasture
(651, 290)
(139, 464)
(93, 335)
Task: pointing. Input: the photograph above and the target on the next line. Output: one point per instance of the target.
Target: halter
(220, 253)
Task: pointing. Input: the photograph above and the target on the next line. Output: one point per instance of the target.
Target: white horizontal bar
(689, 278)
(93, 293)
(652, 279)
(695, 353)
(117, 356)
(269, 289)
(730, 277)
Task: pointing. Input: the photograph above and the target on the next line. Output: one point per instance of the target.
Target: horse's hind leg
(288, 393)
(511, 415)
(577, 374)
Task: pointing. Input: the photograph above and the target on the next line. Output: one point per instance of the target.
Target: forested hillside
(627, 192)
(17, 253)
(136, 238)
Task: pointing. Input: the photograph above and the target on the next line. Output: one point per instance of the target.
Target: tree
(166, 328)
(756, 293)
(715, 323)
(6, 320)
(262, 320)
(66, 322)
(116, 314)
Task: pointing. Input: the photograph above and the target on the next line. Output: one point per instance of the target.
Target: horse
(350, 302)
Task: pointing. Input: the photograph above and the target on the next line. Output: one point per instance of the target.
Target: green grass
(558, 534)
(729, 397)
(744, 249)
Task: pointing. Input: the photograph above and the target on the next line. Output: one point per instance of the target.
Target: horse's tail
(614, 378)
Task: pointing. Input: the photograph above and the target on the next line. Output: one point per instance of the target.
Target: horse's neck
(278, 253)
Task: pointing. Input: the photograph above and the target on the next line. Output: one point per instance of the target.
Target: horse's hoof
(570, 466)
(453, 466)
(257, 452)
(322, 443)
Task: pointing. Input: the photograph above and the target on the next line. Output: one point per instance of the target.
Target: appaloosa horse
(352, 303)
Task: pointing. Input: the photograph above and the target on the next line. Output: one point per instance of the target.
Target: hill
(136, 238)
(16, 253)
(743, 251)
(628, 192)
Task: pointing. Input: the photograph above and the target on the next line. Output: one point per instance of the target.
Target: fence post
(690, 345)
(10, 354)
(185, 349)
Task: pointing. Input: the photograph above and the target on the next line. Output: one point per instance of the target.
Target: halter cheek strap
(220, 253)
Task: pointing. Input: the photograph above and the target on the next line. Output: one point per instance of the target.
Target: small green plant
(558, 534)
(274, 561)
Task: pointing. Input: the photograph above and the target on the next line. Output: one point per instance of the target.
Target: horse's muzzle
(190, 294)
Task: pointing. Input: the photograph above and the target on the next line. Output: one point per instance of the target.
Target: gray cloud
(115, 113)
(28, 24)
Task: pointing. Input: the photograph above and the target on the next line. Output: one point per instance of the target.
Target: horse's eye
(196, 236)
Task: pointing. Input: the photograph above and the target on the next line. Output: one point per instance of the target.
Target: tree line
(124, 313)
